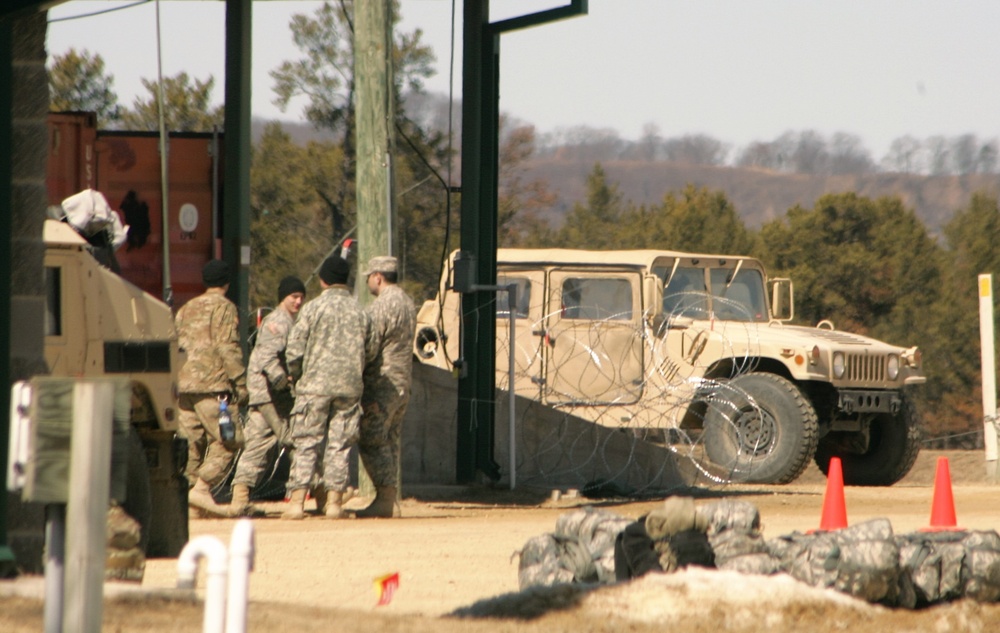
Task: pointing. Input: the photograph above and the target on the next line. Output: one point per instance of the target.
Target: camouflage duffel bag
(861, 560)
(942, 566)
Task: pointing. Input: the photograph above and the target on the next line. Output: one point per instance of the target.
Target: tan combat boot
(334, 505)
(239, 506)
(200, 496)
(295, 503)
(319, 494)
(383, 507)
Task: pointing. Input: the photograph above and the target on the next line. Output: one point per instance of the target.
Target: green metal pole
(7, 562)
(480, 175)
(476, 380)
(236, 179)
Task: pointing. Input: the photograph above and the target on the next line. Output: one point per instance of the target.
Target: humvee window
(678, 295)
(596, 299)
(523, 297)
(742, 297)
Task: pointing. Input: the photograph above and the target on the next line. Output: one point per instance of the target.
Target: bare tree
(848, 155)
(904, 155)
(696, 149)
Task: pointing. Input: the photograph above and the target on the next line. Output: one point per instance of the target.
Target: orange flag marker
(385, 586)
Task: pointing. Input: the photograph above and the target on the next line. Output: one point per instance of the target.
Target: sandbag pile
(581, 550)
(865, 560)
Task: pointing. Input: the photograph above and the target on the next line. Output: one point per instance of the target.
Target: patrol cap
(215, 273)
(380, 264)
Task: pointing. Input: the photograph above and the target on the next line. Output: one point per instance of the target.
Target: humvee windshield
(734, 298)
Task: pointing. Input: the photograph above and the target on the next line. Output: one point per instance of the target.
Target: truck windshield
(733, 299)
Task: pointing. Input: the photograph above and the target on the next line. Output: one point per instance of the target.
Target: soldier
(270, 394)
(387, 383)
(326, 354)
(207, 329)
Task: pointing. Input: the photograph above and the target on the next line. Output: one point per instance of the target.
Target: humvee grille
(865, 368)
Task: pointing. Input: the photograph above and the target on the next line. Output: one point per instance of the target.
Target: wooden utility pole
(373, 111)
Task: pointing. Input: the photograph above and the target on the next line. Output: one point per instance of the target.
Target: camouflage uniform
(270, 396)
(207, 328)
(387, 383)
(328, 348)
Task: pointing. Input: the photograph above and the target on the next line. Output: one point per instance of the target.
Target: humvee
(98, 324)
(694, 346)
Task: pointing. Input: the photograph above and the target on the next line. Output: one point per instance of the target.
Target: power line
(100, 12)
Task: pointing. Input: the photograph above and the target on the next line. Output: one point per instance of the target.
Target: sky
(737, 70)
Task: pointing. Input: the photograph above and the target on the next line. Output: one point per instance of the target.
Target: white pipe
(211, 548)
(241, 554)
(512, 417)
(989, 379)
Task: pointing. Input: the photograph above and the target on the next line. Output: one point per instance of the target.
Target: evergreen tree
(187, 106)
(594, 225)
(696, 220)
(954, 345)
(78, 83)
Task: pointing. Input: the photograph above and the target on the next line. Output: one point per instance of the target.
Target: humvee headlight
(892, 367)
(839, 367)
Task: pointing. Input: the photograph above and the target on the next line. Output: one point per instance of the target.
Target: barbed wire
(623, 414)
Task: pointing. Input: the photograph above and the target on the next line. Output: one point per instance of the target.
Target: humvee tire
(769, 443)
(893, 444)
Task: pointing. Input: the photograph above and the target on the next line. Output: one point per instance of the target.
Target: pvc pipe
(241, 554)
(989, 382)
(55, 556)
(212, 549)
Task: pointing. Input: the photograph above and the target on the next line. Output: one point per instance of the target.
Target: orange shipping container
(125, 167)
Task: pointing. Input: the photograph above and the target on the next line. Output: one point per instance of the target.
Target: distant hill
(760, 196)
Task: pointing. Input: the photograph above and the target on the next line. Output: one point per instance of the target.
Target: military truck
(97, 324)
(695, 347)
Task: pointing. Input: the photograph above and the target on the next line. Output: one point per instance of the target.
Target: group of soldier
(324, 376)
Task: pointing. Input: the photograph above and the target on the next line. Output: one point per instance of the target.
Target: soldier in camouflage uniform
(387, 383)
(207, 329)
(270, 394)
(326, 354)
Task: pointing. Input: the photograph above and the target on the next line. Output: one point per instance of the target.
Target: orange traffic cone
(943, 506)
(834, 508)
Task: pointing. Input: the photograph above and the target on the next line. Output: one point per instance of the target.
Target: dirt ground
(454, 550)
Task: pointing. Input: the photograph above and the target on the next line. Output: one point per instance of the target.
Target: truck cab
(698, 346)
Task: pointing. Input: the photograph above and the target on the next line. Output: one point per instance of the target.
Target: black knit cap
(289, 285)
(215, 273)
(335, 270)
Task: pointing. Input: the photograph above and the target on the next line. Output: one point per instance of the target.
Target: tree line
(795, 152)
(869, 265)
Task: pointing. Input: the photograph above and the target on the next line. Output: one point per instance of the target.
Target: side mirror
(782, 300)
(652, 296)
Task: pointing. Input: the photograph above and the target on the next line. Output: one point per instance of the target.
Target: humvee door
(593, 350)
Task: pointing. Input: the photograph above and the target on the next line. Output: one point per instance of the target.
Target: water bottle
(226, 429)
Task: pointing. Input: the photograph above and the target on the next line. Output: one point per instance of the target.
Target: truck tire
(138, 502)
(893, 444)
(761, 429)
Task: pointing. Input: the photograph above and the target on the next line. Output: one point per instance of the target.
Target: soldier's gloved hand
(242, 397)
(286, 437)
